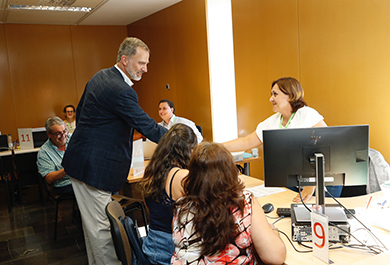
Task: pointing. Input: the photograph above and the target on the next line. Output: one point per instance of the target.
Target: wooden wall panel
(178, 39)
(156, 32)
(191, 59)
(45, 67)
(266, 48)
(94, 48)
(41, 70)
(7, 117)
(345, 63)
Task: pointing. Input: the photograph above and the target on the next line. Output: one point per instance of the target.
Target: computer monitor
(3, 143)
(289, 156)
(39, 136)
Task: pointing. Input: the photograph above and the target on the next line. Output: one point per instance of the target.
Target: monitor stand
(320, 182)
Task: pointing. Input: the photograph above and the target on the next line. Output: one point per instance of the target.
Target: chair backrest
(49, 189)
(379, 171)
(199, 129)
(118, 232)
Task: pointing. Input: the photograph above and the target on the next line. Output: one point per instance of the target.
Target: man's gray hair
(53, 121)
(129, 47)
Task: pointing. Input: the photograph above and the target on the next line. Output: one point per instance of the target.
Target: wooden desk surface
(19, 151)
(248, 160)
(338, 256)
(133, 179)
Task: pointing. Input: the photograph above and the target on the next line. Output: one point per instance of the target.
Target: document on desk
(261, 191)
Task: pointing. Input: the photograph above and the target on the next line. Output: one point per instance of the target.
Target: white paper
(137, 161)
(260, 191)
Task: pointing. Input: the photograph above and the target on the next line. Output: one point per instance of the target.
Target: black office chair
(57, 199)
(27, 174)
(129, 205)
(118, 232)
(199, 129)
(4, 176)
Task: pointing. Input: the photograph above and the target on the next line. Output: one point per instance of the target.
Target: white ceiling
(104, 12)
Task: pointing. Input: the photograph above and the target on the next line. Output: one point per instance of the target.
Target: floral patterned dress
(187, 244)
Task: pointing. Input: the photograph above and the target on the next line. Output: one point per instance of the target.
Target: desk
(24, 172)
(246, 163)
(133, 179)
(19, 151)
(338, 256)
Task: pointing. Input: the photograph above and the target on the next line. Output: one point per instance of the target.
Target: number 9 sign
(320, 236)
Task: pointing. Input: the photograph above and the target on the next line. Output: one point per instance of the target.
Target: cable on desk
(376, 249)
(278, 219)
(306, 246)
(368, 229)
(289, 240)
(371, 248)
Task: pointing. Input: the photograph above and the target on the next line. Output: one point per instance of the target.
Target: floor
(27, 232)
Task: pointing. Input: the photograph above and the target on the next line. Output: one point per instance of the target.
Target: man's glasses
(60, 134)
(69, 111)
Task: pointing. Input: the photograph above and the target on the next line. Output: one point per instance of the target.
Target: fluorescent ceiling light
(51, 8)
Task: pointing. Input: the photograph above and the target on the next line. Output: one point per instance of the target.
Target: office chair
(57, 199)
(199, 129)
(27, 174)
(379, 171)
(121, 241)
(129, 205)
(4, 176)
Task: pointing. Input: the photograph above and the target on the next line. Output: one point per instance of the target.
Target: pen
(368, 203)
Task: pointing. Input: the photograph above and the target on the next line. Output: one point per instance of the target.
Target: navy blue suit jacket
(99, 152)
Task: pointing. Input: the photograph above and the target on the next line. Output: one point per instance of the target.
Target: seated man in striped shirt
(51, 153)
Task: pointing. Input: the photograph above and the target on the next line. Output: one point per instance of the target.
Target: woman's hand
(306, 193)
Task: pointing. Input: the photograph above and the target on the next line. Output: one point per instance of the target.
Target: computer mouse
(268, 207)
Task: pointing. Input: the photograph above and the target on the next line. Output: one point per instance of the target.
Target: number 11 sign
(320, 236)
(26, 138)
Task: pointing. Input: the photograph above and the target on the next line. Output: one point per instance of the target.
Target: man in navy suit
(98, 156)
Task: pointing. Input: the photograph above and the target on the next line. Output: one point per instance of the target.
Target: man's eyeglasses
(60, 134)
(69, 111)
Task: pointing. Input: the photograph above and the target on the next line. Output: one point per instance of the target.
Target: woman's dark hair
(69, 106)
(212, 190)
(173, 149)
(290, 86)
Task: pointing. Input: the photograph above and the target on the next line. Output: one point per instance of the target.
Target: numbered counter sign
(320, 236)
(26, 138)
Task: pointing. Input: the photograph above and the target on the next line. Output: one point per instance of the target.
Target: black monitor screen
(3, 143)
(39, 137)
(289, 154)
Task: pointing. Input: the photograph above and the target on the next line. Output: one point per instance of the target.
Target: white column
(221, 69)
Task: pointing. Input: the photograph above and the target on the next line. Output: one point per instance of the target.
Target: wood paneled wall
(177, 38)
(338, 49)
(45, 67)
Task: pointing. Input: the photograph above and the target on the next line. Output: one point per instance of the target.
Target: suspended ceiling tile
(119, 12)
(43, 17)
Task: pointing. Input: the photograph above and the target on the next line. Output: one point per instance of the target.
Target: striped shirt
(49, 160)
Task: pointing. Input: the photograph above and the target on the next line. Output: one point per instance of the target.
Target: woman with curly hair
(217, 222)
(161, 186)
